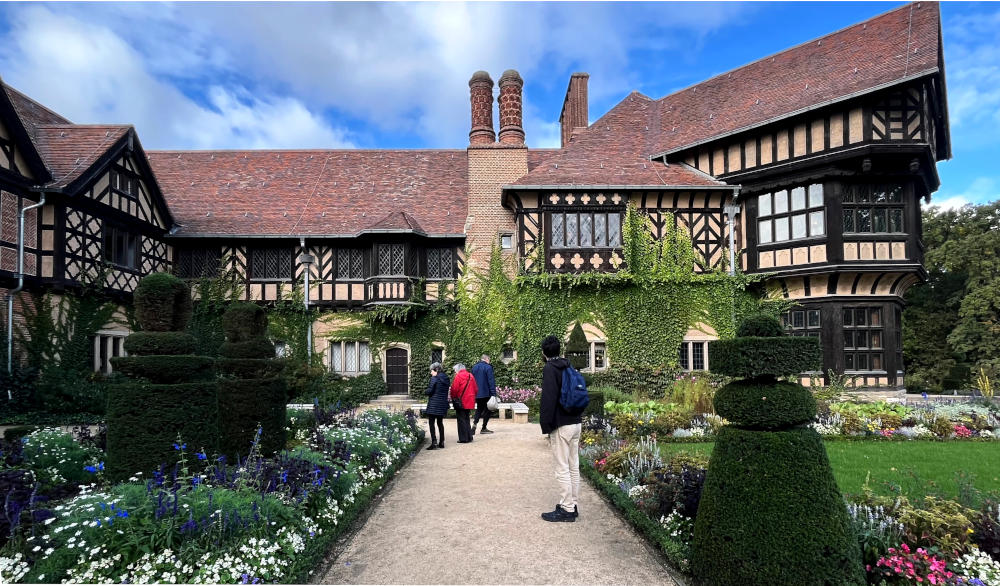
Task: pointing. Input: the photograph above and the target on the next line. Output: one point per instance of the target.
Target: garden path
(469, 514)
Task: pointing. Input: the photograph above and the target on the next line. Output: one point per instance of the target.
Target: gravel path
(469, 514)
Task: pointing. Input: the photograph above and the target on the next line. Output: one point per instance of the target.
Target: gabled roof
(31, 112)
(314, 192)
(71, 149)
(899, 45)
(613, 151)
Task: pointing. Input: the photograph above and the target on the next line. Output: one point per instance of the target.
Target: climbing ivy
(645, 309)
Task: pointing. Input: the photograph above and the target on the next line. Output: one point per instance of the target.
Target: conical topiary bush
(578, 348)
(252, 390)
(770, 512)
(171, 392)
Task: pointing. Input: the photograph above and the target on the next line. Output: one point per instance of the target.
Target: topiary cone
(770, 512)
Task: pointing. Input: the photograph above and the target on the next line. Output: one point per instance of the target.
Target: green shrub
(243, 322)
(596, 405)
(755, 405)
(760, 325)
(942, 523)
(769, 357)
(161, 343)
(162, 303)
(694, 392)
(771, 514)
(251, 367)
(258, 348)
(247, 404)
(166, 369)
(144, 420)
(577, 349)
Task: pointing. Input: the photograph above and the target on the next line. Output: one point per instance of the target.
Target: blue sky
(388, 75)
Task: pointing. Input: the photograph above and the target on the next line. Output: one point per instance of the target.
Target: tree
(951, 326)
(577, 348)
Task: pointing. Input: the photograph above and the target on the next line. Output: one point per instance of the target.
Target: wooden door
(397, 376)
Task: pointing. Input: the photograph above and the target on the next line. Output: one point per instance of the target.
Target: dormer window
(123, 181)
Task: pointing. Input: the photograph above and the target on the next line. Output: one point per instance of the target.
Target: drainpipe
(307, 259)
(20, 286)
(731, 210)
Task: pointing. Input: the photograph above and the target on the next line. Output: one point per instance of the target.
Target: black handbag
(456, 404)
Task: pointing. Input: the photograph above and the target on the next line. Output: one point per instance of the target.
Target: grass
(913, 468)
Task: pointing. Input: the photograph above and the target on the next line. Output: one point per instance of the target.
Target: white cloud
(981, 190)
(90, 74)
(397, 67)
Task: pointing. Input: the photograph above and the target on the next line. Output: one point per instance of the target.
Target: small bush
(767, 357)
(161, 343)
(249, 404)
(760, 326)
(57, 458)
(162, 303)
(243, 322)
(938, 523)
(259, 348)
(986, 528)
(753, 405)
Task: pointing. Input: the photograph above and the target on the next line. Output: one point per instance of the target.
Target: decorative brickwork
(511, 131)
(481, 97)
(575, 113)
(490, 167)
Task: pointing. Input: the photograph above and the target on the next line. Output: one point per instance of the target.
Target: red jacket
(464, 388)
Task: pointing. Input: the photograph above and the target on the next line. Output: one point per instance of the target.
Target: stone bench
(520, 412)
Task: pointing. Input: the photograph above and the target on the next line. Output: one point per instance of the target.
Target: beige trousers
(565, 444)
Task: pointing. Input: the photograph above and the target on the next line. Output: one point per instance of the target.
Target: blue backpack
(573, 396)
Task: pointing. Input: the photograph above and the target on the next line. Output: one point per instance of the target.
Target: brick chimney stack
(481, 96)
(511, 131)
(575, 115)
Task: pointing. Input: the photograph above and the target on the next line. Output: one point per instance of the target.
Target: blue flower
(98, 522)
(202, 456)
(924, 395)
(179, 447)
(90, 469)
(100, 466)
(123, 514)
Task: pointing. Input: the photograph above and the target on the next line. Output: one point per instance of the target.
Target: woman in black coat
(437, 404)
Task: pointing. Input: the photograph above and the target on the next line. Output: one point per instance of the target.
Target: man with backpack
(560, 419)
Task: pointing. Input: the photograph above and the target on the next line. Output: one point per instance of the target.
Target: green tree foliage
(577, 349)
(212, 296)
(951, 326)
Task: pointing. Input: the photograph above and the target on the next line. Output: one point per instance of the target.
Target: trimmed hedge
(596, 405)
(251, 367)
(751, 404)
(760, 326)
(144, 420)
(771, 514)
(163, 303)
(161, 343)
(166, 369)
(244, 321)
(752, 357)
(245, 404)
(259, 348)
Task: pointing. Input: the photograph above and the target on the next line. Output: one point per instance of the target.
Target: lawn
(914, 468)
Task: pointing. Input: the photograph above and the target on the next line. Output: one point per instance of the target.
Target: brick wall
(490, 167)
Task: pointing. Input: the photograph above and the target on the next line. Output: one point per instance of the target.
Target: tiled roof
(894, 46)
(614, 151)
(329, 192)
(70, 149)
(32, 113)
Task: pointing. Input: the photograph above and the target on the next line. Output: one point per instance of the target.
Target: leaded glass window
(271, 263)
(586, 229)
(350, 357)
(440, 263)
(791, 214)
(350, 263)
(873, 209)
(197, 263)
(863, 338)
(390, 259)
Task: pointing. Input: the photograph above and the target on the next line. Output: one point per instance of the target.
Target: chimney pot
(511, 131)
(481, 99)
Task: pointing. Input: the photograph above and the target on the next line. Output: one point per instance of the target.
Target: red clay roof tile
(70, 149)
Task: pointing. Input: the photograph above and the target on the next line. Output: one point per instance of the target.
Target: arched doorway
(397, 376)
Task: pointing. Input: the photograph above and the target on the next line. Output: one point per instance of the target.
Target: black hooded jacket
(552, 414)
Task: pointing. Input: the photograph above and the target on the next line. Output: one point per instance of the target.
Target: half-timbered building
(811, 163)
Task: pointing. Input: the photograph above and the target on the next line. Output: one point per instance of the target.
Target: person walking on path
(437, 404)
(563, 430)
(483, 373)
(463, 396)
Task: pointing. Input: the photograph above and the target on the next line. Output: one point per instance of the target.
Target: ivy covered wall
(645, 310)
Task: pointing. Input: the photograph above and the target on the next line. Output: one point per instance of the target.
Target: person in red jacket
(463, 397)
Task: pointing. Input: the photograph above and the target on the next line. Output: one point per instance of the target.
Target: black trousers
(482, 412)
(464, 429)
(431, 421)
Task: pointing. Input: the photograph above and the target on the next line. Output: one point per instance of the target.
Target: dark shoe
(485, 431)
(576, 510)
(441, 446)
(432, 447)
(558, 515)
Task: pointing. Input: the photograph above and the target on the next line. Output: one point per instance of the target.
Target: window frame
(287, 254)
(116, 174)
(209, 259)
(578, 215)
(807, 212)
(852, 204)
(343, 345)
(685, 355)
(450, 264)
(868, 350)
(110, 246)
(352, 255)
(394, 260)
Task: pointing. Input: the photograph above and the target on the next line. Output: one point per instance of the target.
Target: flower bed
(941, 541)
(206, 520)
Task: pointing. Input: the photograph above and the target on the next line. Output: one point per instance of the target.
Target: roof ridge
(909, 5)
(72, 125)
(343, 150)
(8, 87)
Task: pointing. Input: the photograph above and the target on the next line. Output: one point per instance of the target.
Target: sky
(395, 75)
